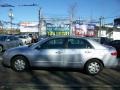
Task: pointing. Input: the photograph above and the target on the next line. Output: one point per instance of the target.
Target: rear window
(2, 38)
(78, 43)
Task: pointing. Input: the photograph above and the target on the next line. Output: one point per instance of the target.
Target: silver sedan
(64, 52)
(9, 41)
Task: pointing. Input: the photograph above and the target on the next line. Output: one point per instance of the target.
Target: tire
(93, 67)
(1, 48)
(19, 64)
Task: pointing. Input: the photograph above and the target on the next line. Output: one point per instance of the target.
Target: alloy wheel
(19, 64)
(94, 67)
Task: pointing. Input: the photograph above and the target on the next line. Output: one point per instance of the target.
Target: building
(28, 27)
(32, 27)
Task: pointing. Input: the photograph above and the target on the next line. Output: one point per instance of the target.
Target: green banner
(58, 29)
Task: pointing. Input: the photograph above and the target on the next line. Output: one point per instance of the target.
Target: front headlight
(5, 53)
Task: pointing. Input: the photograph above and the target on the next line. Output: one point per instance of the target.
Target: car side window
(11, 38)
(115, 42)
(53, 44)
(3, 38)
(8, 38)
(15, 38)
(78, 43)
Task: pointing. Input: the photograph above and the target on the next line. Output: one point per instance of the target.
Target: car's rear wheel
(93, 67)
(1, 48)
(19, 63)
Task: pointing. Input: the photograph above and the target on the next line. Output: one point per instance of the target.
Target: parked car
(9, 41)
(105, 40)
(64, 52)
(116, 44)
(25, 39)
(102, 40)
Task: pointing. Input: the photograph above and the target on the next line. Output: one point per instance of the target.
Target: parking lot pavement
(108, 79)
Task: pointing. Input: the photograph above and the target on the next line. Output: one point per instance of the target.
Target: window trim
(53, 39)
(91, 47)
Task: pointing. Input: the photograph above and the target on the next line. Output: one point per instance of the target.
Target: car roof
(6, 35)
(86, 38)
(66, 37)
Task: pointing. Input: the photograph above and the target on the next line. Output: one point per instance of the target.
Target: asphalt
(108, 79)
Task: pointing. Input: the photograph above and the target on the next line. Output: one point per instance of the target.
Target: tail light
(114, 53)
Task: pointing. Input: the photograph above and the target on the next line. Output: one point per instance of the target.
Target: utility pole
(100, 25)
(39, 23)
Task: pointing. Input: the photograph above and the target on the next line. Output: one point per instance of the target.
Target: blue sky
(85, 9)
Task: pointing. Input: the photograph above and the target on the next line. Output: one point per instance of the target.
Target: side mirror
(7, 40)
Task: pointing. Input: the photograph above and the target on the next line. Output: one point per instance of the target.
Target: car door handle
(59, 52)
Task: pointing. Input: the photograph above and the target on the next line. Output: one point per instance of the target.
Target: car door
(50, 53)
(76, 52)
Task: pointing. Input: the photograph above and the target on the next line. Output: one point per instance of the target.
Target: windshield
(22, 36)
(38, 43)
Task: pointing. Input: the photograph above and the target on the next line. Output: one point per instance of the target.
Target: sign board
(58, 28)
(84, 30)
(29, 27)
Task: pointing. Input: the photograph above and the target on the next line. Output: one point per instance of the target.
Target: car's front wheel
(93, 67)
(19, 63)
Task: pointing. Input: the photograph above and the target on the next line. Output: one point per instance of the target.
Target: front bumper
(6, 60)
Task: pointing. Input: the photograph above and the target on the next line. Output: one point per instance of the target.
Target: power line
(23, 5)
(27, 5)
(6, 5)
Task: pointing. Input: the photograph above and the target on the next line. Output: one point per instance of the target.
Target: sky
(85, 9)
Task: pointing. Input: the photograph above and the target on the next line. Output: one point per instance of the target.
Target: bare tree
(72, 10)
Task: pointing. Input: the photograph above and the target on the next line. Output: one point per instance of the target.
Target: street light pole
(11, 17)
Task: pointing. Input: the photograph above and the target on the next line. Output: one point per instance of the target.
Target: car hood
(20, 48)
